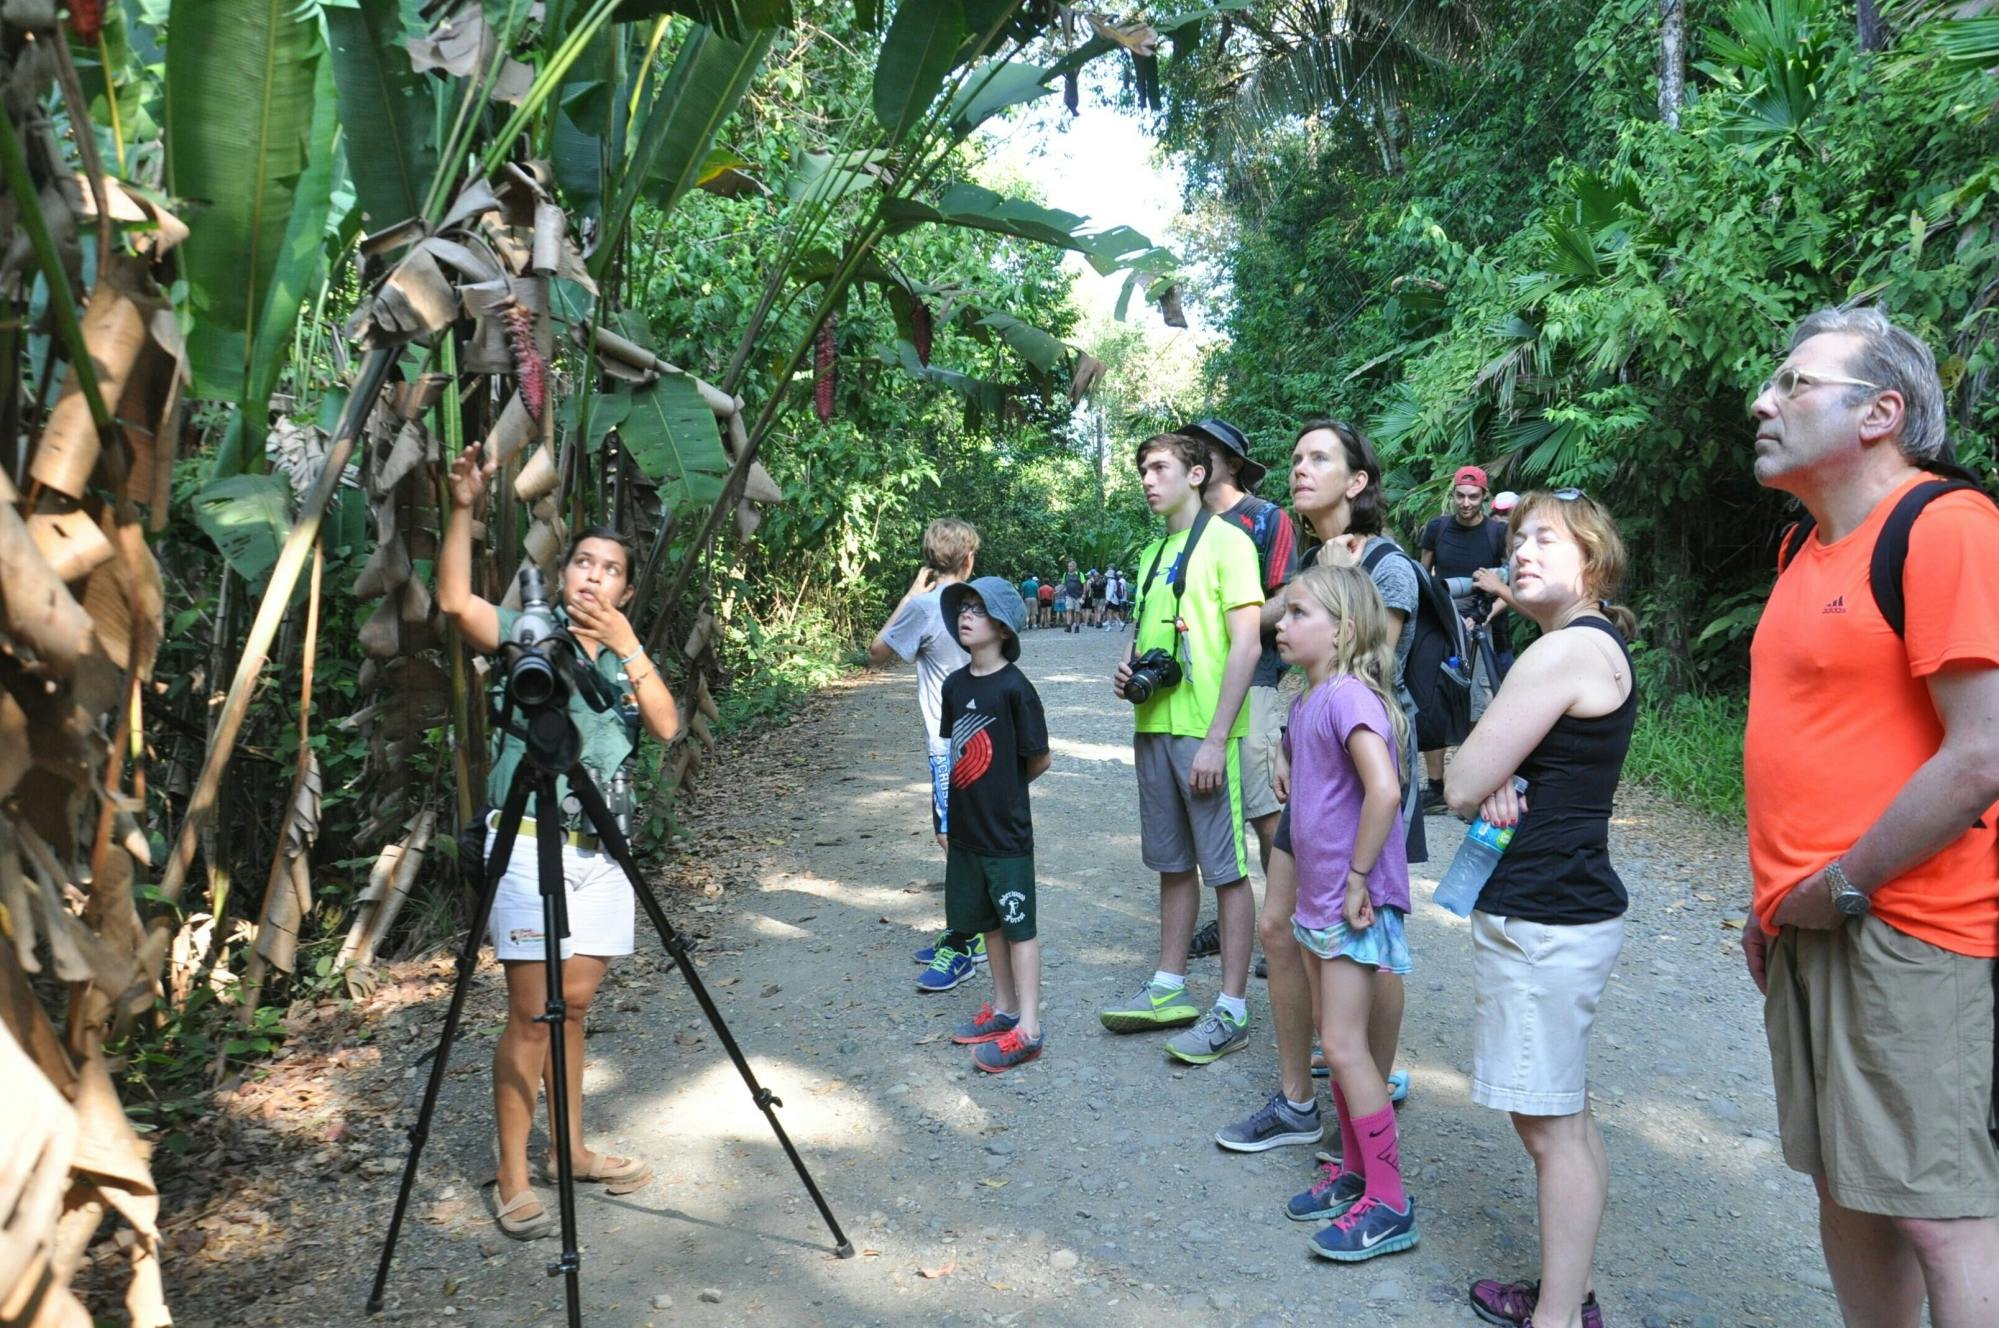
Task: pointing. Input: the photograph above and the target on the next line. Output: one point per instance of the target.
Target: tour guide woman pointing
(595, 586)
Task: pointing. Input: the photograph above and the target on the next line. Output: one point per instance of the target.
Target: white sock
(1161, 978)
(1302, 1108)
(1236, 1007)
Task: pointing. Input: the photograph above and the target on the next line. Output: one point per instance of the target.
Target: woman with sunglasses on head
(1550, 920)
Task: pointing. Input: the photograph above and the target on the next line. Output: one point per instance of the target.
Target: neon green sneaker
(1152, 1006)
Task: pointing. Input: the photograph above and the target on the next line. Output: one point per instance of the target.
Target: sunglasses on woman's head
(1567, 495)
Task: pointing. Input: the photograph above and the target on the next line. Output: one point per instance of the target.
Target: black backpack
(1442, 694)
(1891, 550)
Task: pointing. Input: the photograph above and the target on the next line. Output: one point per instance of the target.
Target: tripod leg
(555, 927)
(468, 958)
(613, 837)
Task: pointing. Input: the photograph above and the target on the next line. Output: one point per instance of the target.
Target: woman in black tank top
(1550, 920)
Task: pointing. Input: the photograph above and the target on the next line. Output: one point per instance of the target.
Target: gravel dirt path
(1082, 1189)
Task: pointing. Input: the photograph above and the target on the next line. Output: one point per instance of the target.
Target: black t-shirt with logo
(995, 724)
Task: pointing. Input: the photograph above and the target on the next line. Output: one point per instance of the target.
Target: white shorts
(601, 908)
(1260, 749)
(1537, 990)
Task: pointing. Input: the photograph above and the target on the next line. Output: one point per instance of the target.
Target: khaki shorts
(1537, 990)
(1881, 1048)
(1179, 829)
(1261, 747)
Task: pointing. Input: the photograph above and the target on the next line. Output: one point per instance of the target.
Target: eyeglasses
(1787, 382)
(973, 608)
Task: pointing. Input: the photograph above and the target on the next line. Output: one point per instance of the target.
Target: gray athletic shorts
(1179, 829)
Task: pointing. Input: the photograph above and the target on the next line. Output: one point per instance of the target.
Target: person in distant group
(1045, 598)
(1093, 595)
(1117, 598)
(999, 745)
(1458, 544)
(917, 631)
(1549, 922)
(1871, 766)
(1030, 586)
(1072, 592)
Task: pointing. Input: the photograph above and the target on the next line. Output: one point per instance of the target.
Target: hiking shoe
(1152, 1006)
(1006, 1051)
(929, 952)
(1433, 802)
(1272, 1125)
(1511, 1304)
(1207, 941)
(1331, 1195)
(1263, 968)
(1367, 1230)
(947, 970)
(984, 1026)
(1215, 1036)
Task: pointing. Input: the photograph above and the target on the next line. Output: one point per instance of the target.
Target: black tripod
(553, 745)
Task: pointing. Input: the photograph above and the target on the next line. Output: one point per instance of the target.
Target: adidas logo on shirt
(973, 704)
(1837, 604)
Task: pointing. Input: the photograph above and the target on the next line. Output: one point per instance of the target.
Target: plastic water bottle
(1477, 856)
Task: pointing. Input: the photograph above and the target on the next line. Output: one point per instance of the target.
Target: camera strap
(1176, 580)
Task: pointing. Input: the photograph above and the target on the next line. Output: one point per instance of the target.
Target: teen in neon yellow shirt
(1225, 575)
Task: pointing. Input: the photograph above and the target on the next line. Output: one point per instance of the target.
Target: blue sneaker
(929, 952)
(1368, 1229)
(1331, 1195)
(1272, 1125)
(948, 969)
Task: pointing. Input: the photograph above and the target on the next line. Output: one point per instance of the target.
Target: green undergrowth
(777, 665)
(1690, 747)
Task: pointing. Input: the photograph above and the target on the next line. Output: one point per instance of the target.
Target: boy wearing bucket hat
(999, 745)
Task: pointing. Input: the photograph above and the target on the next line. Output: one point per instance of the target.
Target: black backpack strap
(1793, 542)
(1374, 557)
(1891, 549)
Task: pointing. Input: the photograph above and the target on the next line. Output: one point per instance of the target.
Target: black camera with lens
(544, 662)
(1151, 673)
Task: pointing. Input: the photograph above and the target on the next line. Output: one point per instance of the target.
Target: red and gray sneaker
(1006, 1051)
(985, 1026)
(1511, 1304)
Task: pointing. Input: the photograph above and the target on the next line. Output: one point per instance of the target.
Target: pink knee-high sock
(1381, 1157)
(1350, 1155)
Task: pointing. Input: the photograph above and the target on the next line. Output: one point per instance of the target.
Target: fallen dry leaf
(994, 1182)
(950, 1266)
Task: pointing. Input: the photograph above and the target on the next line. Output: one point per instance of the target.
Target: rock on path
(1085, 1188)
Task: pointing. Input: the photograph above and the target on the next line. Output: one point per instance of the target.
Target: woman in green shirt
(595, 587)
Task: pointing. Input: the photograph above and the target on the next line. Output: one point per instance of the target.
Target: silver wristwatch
(1845, 898)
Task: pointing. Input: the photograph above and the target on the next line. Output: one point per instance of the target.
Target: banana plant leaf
(738, 20)
(924, 44)
(670, 432)
(387, 111)
(992, 89)
(248, 517)
(239, 111)
(708, 78)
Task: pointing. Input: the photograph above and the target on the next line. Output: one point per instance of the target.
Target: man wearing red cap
(1458, 543)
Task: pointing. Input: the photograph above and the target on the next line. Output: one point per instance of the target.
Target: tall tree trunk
(1673, 60)
(1391, 127)
(1873, 32)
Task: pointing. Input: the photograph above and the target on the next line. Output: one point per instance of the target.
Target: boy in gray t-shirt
(916, 631)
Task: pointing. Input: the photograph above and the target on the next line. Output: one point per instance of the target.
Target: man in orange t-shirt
(1872, 769)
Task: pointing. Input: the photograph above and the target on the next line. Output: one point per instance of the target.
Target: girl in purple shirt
(1353, 889)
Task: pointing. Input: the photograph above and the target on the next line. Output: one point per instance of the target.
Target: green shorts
(989, 894)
